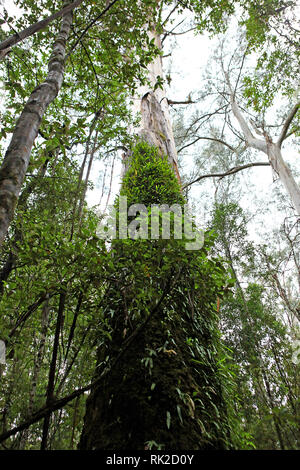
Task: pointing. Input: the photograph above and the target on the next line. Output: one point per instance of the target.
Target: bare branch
(287, 124)
(204, 118)
(179, 34)
(207, 138)
(90, 25)
(232, 171)
(171, 32)
(169, 15)
(189, 101)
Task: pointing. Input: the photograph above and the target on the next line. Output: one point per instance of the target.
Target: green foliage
(272, 32)
(46, 263)
(150, 179)
(255, 332)
(49, 262)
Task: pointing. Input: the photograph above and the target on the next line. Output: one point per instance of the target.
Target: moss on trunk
(165, 392)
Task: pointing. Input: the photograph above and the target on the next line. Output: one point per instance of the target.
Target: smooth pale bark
(87, 177)
(284, 172)
(271, 149)
(34, 28)
(16, 160)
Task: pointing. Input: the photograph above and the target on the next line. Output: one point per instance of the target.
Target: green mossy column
(165, 391)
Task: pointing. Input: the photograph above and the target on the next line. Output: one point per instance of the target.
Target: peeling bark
(152, 104)
(16, 160)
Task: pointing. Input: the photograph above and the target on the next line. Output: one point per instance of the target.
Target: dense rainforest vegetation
(138, 342)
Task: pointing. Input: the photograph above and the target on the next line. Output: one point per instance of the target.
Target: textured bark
(12, 256)
(16, 160)
(152, 104)
(156, 130)
(52, 369)
(126, 413)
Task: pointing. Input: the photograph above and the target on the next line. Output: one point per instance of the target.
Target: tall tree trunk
(12, 256)
(162, 395)
(16, 160)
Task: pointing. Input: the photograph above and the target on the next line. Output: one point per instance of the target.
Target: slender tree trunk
(52, 369)
(79, 199)
(110, 183)
(16, 160)
(152, 104)
(87, 177)
(36, 369)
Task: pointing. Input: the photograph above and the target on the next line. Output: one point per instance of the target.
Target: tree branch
(179, 34)
(206, 138)
(167, 33)
(254, 142)
(58, 404)
(34, 28)
(287, 124)
(188, 101)
(90, 25)
(232, 171)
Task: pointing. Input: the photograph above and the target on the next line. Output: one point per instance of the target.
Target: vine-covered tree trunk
(163, 390)
(152, 104)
